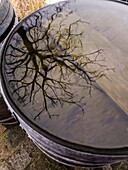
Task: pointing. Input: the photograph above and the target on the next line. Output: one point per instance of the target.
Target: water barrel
(64, 76)
(7, 21)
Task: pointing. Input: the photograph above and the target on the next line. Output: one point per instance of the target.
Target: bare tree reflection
(42, 60)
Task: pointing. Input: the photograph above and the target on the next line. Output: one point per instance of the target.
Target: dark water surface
(65, 67)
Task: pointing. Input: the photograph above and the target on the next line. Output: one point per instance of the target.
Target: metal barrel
(7, 19)
(64, 75)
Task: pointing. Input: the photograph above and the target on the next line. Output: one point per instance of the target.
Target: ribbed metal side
(67, 155)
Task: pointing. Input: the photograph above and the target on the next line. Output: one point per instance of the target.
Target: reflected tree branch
(47, 65)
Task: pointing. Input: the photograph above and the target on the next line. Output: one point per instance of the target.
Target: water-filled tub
(64, 76)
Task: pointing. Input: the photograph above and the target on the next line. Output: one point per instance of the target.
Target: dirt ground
(18, 152)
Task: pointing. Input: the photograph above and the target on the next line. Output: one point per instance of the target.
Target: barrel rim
(4, 35)
(50, 136)
(5, 7)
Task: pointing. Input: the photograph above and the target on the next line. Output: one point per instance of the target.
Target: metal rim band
(4, 35)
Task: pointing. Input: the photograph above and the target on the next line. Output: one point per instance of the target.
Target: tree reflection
(46, 58)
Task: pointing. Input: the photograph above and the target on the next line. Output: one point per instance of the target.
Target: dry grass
(25, 7)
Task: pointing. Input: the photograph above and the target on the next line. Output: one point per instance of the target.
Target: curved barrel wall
(7, 21)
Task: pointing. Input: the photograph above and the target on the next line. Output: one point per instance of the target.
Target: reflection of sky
(110, 20)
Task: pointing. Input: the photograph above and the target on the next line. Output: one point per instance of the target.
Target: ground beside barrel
(17, 152)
